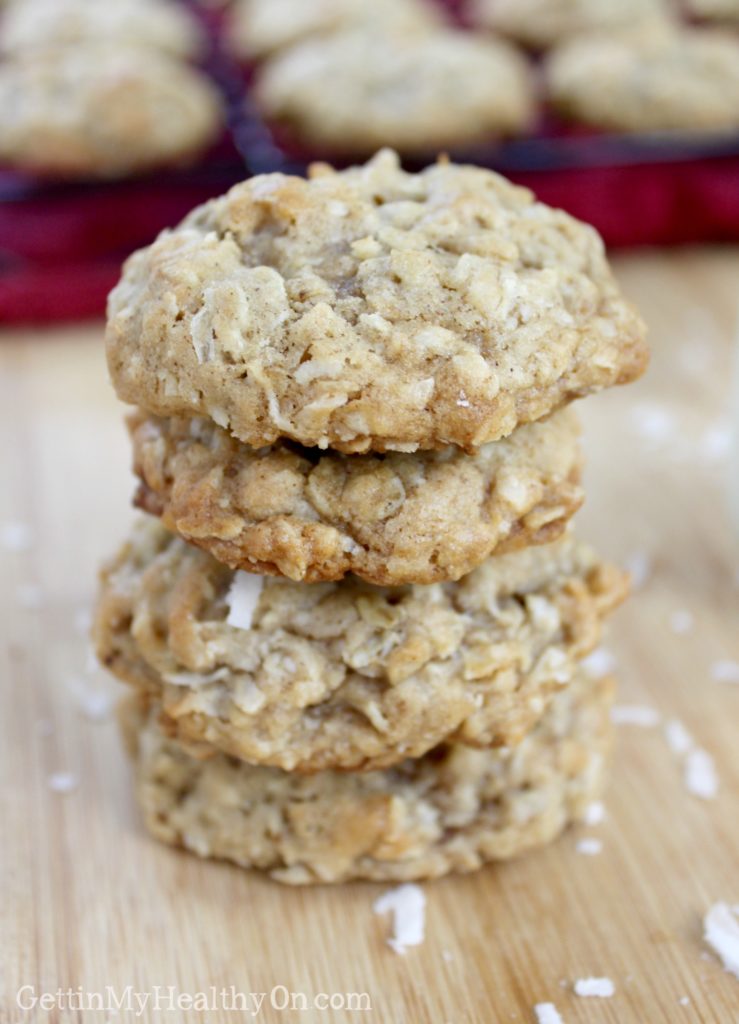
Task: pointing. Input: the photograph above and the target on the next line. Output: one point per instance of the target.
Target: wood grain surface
(88, 900)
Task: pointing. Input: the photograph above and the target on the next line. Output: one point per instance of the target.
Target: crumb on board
(639, 567)
(601, 988)
(589, 846)
(721, 932)
(16, 536)
(681, 621)
(547, 1013)
(595, 813)
(700, 774)
(725, 670)
(95, 705)
(407, 904)
(678, 738)
(600, 663)
(699, 769)
(242, 599)
(643, 715)
(654, 422)
(62, 782)
(715, 444)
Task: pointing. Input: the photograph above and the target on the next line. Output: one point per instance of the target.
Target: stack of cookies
(354, 618)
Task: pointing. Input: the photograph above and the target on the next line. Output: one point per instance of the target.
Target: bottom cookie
(451, 810)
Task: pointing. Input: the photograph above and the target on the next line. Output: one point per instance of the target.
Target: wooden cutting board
(89, 900)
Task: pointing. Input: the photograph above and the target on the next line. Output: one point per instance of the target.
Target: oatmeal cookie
(724, 12)
(684, 79)
(160, 24)
(453, 810)
(371, 309)
(258, 28)
(391, 519)
(353, 92)
(540, 24)
(347, 675)
(103, 111)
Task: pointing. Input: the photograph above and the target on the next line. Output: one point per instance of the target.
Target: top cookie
(261, 27)
(543, 23)
(371, 309)
(160, 24)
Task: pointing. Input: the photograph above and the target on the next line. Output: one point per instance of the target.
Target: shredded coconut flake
(700, 774)
(16, 536)
(725, 671)
(594, 813)
(243, 598)
(590, 846)
(63, 782)
(721, 932)
(603, 988)
(678, 738)
(407, 904)
(635, 714)
(684, 1001)
(547, 1013)
(600, 663)
(681, 621)
(715, 444)
(95, 705)
(654, 422)
(639, 566)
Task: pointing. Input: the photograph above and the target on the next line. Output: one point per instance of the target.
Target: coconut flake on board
(643, 715)
(407, 904)
(602, 988)
(725, 671)
(589, 845)
(16, 536)
(547, 1013)
(721, 932)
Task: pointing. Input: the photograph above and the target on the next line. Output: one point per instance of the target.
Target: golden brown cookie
(353, 92)
(540, 24)
(257, 28)
(347, 675)
(391, 519)
(371, 309)
(680, 79)
(158, 24)
(103, 111)
(453, 810)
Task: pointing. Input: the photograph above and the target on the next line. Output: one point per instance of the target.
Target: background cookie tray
(61, 245)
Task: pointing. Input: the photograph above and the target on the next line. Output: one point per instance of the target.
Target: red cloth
(61, 250)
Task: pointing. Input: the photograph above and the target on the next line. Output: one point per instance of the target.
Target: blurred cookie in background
(539, 24)
(719, 11)
(103, 111)
(353, 92)
(163, 25)
(669, 79)
(258, 28)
